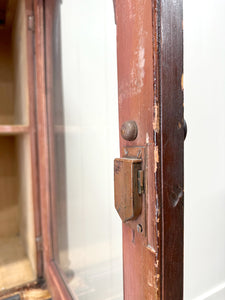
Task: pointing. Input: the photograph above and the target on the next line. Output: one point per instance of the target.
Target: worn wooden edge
(136, 102)
(29, 285)
(49, 16)
(42, 133)
(55, 282)
(33, 290)
(169, 137)
(33, 133)
(157, 136)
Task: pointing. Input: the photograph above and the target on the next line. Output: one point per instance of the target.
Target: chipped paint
(141, 65)
(133, 84)
(131, 9)
(179, 125)
(150, 277)
(138, 72)
(151, 249)
(156, 118)
(156, 158)
(157, 263)
(147, 138)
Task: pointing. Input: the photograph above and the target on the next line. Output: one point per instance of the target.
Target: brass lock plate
(128, 175)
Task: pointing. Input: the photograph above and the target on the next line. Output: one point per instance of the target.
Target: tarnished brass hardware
(129, 185)
(129, 130)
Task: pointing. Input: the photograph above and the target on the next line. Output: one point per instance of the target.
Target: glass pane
(86, 140)
(204, 69)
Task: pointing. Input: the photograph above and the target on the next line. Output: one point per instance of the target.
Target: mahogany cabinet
(34, 176)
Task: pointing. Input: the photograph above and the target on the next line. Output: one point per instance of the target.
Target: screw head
(129, 130)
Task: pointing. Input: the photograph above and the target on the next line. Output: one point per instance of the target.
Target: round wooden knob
(129, 130)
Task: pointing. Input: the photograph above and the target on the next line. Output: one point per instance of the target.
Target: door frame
(150, 45)
(54, 280)
(153, 265)
(168, 70)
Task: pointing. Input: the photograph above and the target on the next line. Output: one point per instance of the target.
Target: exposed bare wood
(36, 294)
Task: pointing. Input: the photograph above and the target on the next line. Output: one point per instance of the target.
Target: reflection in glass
(85, 141)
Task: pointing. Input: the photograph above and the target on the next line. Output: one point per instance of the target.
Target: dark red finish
(171, 148)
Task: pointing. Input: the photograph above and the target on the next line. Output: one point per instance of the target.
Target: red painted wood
(172, 148)
(136, 102)
(150, 67)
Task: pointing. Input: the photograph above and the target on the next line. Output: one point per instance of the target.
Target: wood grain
(169, 139)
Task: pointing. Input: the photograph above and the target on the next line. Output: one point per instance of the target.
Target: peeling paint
(157, 263)
(156, 158)
(156, 118)
(141, 65)
(157, 276)
(151, 249)
(147, 138)
(150, 278)
(182, 82)
(131, 9)
(133, 84)
(138, 72)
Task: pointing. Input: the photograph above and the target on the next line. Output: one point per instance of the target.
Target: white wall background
(204, 82)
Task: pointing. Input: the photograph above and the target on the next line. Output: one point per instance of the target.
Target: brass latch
(129, 186)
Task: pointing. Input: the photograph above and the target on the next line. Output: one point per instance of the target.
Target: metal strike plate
(127, 185)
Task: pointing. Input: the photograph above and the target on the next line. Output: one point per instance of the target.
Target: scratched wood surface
(150, 67)
(136, 102)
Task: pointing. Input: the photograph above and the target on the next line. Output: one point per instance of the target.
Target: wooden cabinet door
(74, 150)
(150, 60)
